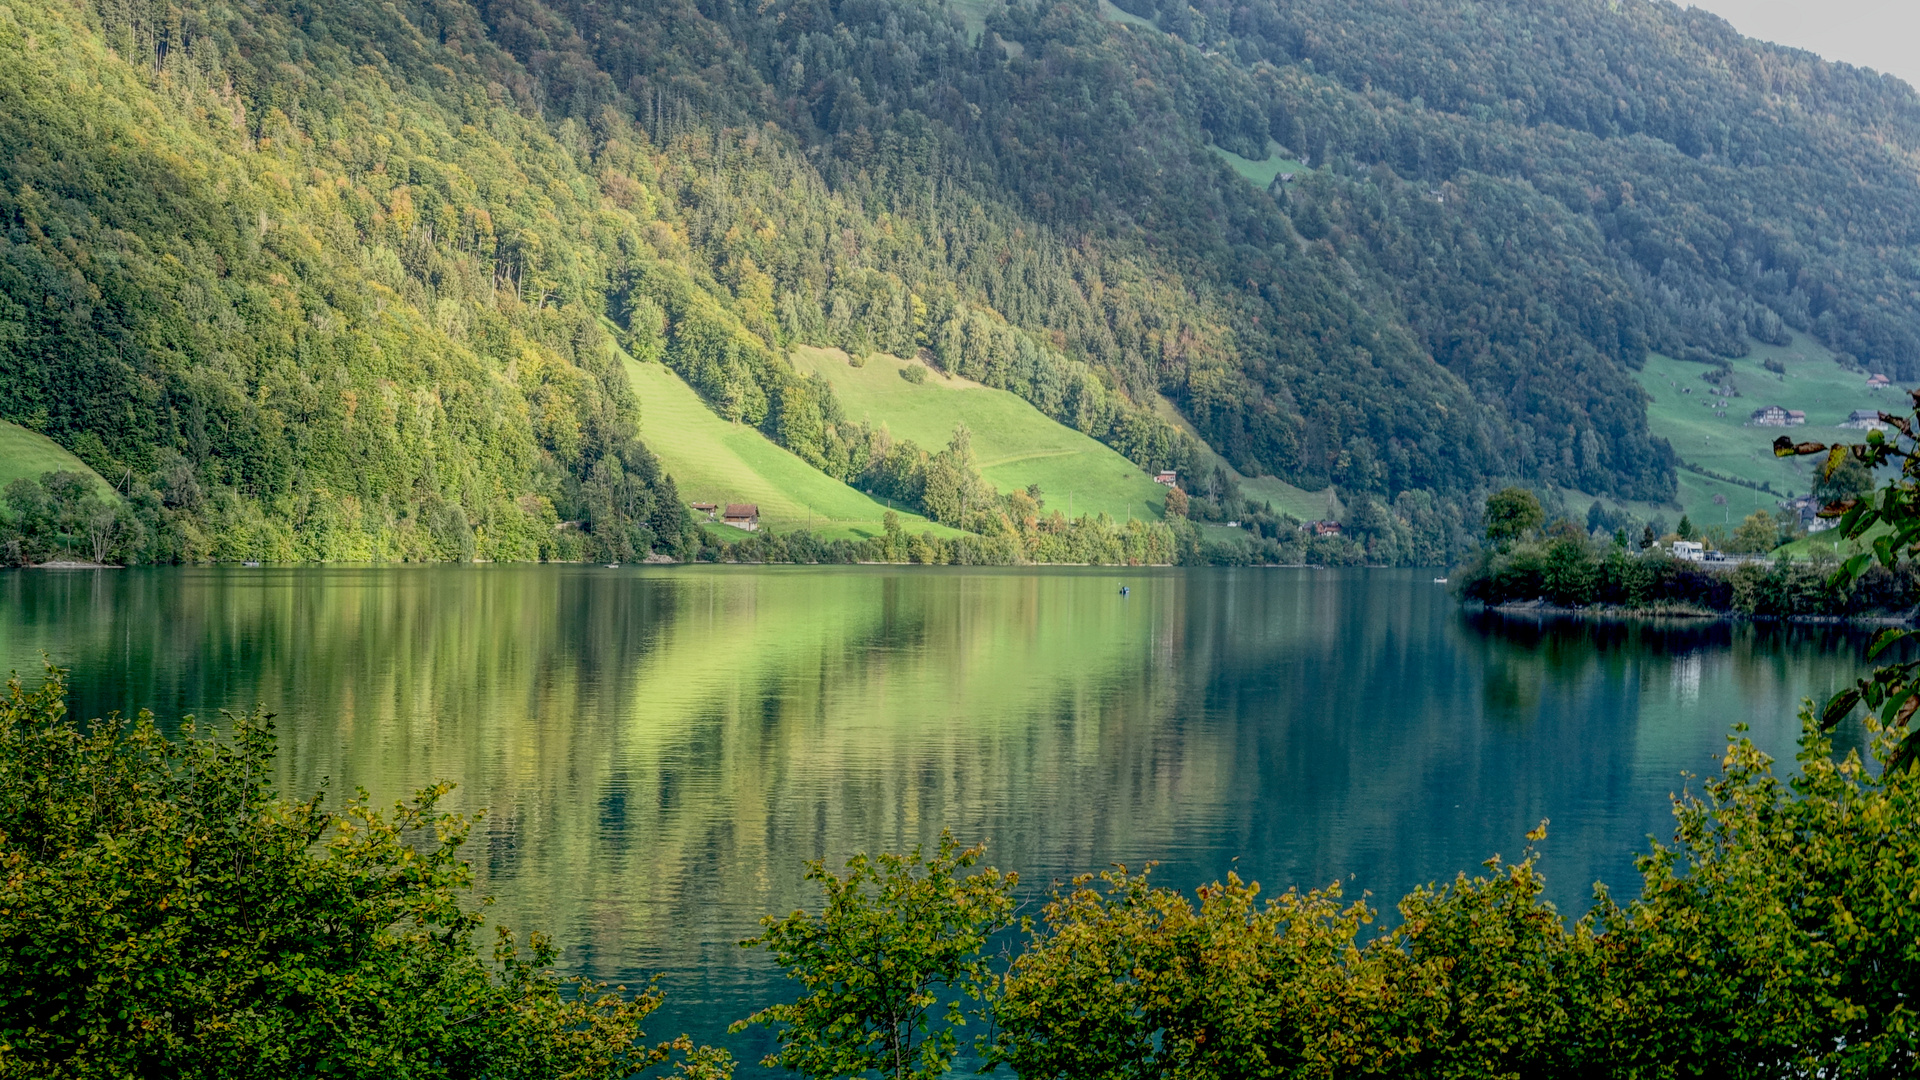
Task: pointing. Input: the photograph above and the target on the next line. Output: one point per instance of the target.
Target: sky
(1881, 34)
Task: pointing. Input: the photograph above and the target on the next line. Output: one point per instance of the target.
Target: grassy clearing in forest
(973, 14)
(1014, 443)
(713, 460)
(1260, 173)
(29, 453)
(1112, 13)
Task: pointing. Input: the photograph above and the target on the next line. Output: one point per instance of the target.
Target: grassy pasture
(1014, 443)
(1260, 173)
(1728, 445)
(29, 453)
(973, 13)
(1111, 13)
(714, 460)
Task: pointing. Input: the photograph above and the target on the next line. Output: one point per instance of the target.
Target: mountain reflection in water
(659, 749)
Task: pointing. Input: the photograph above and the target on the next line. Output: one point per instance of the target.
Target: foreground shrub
(1776, 935)
(164, 914)
(898, 933)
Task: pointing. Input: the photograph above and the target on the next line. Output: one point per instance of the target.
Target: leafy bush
(163, 913)
(1775, 935)
(63, 515)
(896, 932)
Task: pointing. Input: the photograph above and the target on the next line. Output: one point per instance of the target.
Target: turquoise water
(659, 749)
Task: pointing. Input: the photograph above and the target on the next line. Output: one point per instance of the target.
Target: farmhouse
(1868, 419)
(1323, 528)
(706, 508)
(1775, 416)
(742, 516)
(1877, 381)
(1166, 476)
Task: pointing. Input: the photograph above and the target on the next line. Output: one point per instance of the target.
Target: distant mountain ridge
(261, 222)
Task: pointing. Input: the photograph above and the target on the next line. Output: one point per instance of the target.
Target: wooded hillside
(323, 281)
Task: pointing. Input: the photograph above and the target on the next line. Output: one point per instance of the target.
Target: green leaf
(1905, 754)
(1851, 570)
(1838, 706)
(1900, 697)
(1885, 638)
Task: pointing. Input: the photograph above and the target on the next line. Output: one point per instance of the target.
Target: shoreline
(1617, 613)
(72, 564)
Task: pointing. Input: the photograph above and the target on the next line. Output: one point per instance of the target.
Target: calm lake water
(660, 749)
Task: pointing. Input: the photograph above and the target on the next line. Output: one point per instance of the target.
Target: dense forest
(342, 280)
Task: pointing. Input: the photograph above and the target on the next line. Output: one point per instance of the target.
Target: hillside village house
(1877, 381)
(1775, 416)
(1807, 508)
(1165, 476)
(742, 516)
(706, 508)
(1323, 528)
(1868, 419)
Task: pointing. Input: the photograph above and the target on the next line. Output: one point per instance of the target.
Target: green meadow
(1260, 173)
(1111, 13)
(1687, 413)
(973, 14)
(29, 453)
(1014, 444)
(715, 460)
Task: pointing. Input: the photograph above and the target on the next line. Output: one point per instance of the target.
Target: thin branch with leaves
(1888, 522)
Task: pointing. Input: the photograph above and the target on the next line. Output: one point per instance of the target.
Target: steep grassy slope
(712, 460)
(1685, 411)
(29, 454)
(1014, 444)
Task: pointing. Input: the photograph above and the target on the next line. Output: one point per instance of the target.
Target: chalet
(1868, 419)
(704, 508)
(1877, 381)
(1323, 528)
(1167, 477)
(742, 516)
(1775, 416)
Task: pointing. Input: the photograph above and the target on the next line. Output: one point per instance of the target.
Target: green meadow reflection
(658, 750)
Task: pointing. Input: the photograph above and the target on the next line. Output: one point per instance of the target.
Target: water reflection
(659, 750)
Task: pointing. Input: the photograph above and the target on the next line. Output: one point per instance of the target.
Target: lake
(660, 749)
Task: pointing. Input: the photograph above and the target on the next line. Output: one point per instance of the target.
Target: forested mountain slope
(326, 276)
(311, 337)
